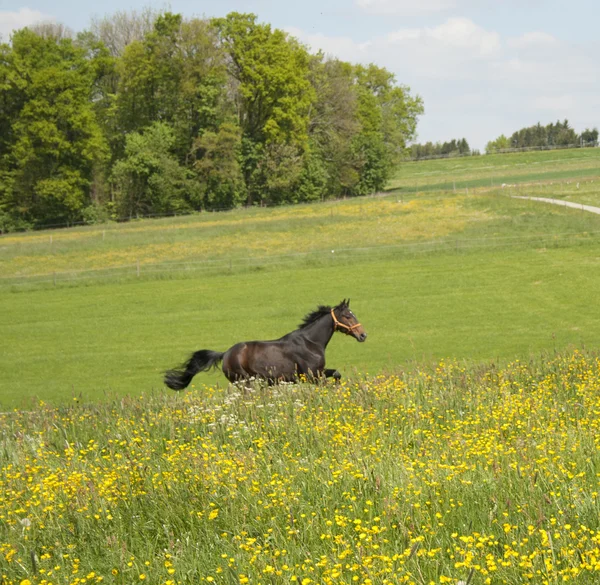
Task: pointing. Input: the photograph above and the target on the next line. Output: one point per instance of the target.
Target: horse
(299, 353)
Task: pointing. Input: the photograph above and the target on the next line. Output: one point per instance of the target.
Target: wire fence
(403, 192)
(546, 147)
(144, 269)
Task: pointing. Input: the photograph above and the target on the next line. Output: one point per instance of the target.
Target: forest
(557, 135)
(450, 148)
(153, 113)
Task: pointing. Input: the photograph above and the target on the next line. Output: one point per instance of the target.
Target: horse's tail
(199, 362)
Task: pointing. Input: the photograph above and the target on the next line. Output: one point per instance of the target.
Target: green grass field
(104, 310)
(495, 170)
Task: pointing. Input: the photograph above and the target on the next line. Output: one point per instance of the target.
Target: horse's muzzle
(362, 337)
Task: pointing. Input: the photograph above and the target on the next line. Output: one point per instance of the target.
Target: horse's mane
(318, 313)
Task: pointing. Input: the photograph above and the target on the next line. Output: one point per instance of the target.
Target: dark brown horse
(301, 352)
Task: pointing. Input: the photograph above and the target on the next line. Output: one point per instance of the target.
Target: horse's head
(345, 320)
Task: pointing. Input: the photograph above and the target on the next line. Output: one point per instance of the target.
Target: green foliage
(590, 137)
(501, 143)
(388, 116)
(450, 148)
(149, 178)
(538, 136)
(274, 93)
(218, 169)
(312, 183)
(174, 75)
(51, 141)
(247, 114)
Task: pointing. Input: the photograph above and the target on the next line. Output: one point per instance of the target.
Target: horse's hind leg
(332, 373)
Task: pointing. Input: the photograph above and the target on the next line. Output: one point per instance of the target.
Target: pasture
(101, 311)
(526, 168)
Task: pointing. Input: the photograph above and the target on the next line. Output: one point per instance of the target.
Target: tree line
(450, 148)
(549, 136)
(153, 113)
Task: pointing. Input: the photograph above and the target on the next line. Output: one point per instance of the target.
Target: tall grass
(449, 474)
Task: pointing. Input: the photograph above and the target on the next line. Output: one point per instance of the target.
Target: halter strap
(337, 324)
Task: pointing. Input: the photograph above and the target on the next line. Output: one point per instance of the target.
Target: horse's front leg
(331, 373)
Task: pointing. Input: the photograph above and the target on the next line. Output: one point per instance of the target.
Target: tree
(388, 117)
(176, 75)
(501, 143)
(590, 137)
(51, 140)
(333, 124)
(155, 113)
(149, 179)
(218, 169)
(273, 96)
(123, 28)
(271, 69)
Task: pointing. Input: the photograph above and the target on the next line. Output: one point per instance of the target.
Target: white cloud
(341, 47)
(532, 39)
(405, 7)
(477, 83)
(455, 33)
(455, 49)
(11, 21)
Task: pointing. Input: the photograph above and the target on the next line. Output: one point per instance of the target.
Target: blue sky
(482, 67)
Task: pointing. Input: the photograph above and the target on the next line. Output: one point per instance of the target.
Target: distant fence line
(229, 265)
(407, 189)
(504, 151)
(191, 213)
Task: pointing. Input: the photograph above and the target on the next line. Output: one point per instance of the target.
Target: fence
(505, 151)
(224, 266)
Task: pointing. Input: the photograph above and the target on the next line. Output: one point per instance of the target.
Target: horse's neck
(319, 332)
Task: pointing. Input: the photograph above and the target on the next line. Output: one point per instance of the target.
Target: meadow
(441, 475)
(495, 170)
(461, 446)
(103, 311)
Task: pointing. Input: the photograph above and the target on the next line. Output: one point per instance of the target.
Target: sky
(482, 67)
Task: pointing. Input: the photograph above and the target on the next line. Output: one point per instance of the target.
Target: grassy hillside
(306, 235)
(495, 170)
(104, 310)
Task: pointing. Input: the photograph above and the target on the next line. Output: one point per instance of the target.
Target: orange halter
(337, 324)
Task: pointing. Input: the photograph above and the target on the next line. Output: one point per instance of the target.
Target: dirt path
(562, 202)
